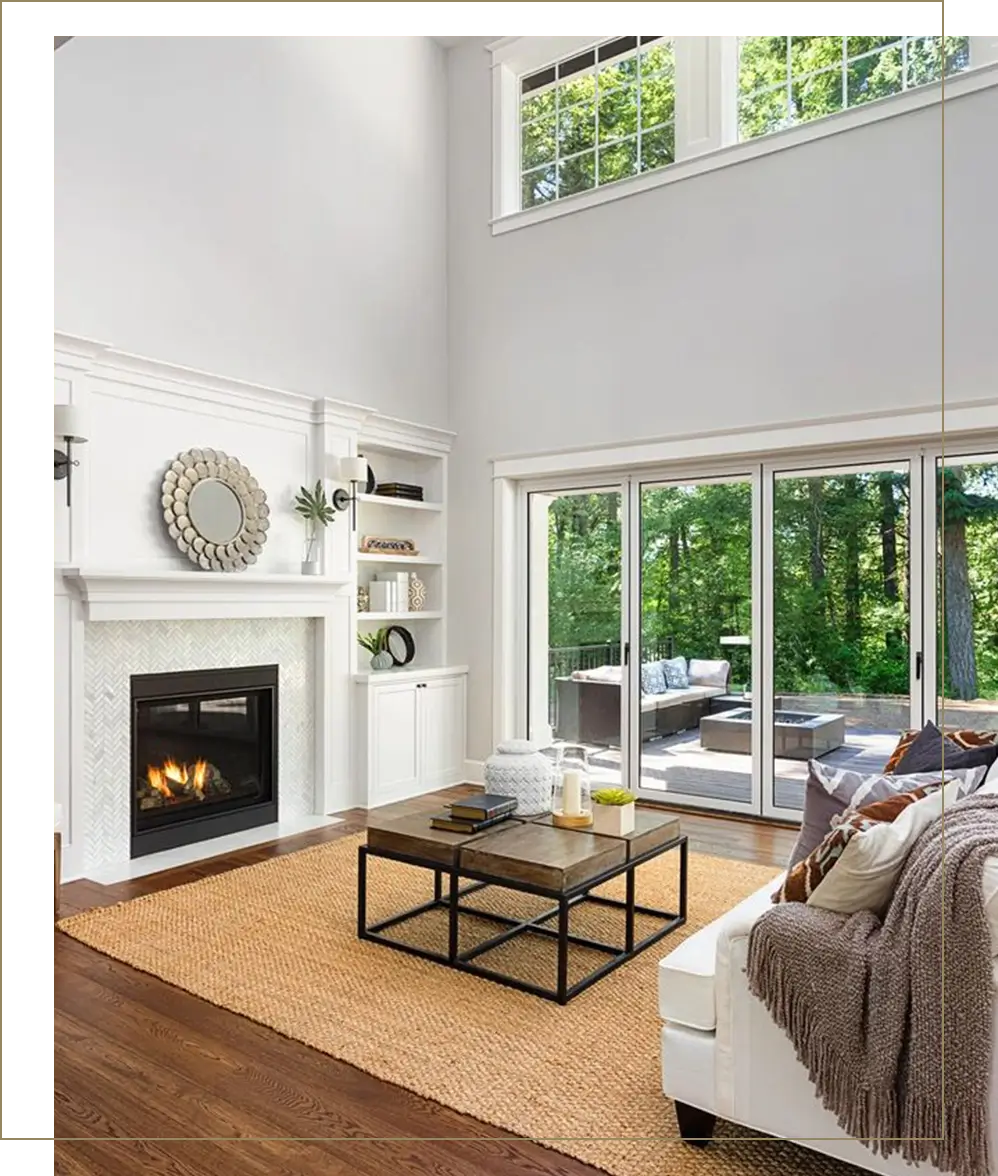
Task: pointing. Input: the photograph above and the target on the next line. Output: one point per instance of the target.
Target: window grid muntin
(637, 52)
(790, 79)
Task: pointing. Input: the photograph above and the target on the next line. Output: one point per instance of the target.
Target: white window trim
(705, 126)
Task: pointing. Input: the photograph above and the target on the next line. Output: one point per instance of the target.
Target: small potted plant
(375, 645)
(613, 811)
(317, 512)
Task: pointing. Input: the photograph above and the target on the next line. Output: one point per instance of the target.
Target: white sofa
(723, 1055)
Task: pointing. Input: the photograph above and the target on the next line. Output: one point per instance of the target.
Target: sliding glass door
(841, 639)
(693, 741)
(705, 637)
(576, 690)
(965, 580)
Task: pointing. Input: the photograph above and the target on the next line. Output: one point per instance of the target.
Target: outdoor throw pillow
(653, 680)
(704, 672)
(963, 738)
(674, 672)
(802, 880)
(829, 792)
(931, 751)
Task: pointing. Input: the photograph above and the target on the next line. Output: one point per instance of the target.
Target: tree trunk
(888, 536)
(852, 627)
(961, 663)
(889, 550)
(815, 535)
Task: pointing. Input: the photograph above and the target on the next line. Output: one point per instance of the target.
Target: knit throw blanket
(863, 1000)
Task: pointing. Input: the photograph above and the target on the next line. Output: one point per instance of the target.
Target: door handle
(918, 666)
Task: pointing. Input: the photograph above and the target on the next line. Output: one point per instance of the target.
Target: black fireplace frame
(190, 684)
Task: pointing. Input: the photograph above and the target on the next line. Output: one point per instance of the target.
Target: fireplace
(204, 755)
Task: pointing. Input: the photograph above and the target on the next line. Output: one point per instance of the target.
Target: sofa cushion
(804, 878)
(702, 672)
(931, 751)
(962, 737)
(867, 870)
(675, 672)
(653, 680)
(599, 674)
(829, 792)
(686, 992)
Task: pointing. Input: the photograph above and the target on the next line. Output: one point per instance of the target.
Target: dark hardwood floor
(151, 1079)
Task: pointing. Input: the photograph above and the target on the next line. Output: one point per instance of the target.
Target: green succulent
(313, 506)
(613, 796)
(373, 642)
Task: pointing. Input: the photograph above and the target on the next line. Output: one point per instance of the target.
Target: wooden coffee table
(529, 855)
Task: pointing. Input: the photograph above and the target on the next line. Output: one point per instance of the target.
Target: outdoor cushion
(653, 679)
(675, 673)
(708, 673)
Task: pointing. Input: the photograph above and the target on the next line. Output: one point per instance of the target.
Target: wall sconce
(71, 427)
(354, 471)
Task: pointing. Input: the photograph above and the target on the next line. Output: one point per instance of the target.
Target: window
(578, 121)
(597, 117)
(783, 81)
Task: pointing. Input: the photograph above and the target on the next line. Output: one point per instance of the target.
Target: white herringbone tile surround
(114, 650)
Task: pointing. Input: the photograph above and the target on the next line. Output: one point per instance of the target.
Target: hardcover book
(455, 825)
(479, 808)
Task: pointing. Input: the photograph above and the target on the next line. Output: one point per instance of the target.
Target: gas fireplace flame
(173, 779)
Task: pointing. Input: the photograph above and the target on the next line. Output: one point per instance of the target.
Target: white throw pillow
(703, 672)
(864, 877)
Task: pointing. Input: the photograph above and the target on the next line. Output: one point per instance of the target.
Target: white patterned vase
(417, 593)
(518, 769)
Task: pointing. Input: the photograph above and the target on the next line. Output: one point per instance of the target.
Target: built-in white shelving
(373, 557)
(401, 503)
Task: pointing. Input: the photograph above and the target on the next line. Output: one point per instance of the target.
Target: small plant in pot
(375, 645)
(317, 512)
(613, 811)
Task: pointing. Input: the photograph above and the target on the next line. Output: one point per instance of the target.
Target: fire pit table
(796, 734)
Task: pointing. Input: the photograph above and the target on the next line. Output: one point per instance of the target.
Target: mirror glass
(215, 511)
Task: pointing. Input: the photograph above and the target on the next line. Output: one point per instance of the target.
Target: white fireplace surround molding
(140, 409)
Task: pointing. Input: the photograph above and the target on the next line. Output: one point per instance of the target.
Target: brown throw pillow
(961, 737)
(932, 751)
(801, 881)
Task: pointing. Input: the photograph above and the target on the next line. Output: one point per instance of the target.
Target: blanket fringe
(912, 1127)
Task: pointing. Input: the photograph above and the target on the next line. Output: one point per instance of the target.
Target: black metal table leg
(361, 890)
(629, 911)
(563, 950)
(453, 895)
(437, 885)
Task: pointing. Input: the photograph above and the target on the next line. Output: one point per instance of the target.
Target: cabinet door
(393, 736)
(441, 732)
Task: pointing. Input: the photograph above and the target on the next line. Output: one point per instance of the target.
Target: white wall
(271, 209)
(803, 284)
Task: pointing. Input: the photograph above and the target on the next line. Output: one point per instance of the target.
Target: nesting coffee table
(532, 856)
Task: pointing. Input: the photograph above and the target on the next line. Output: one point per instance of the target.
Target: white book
(380, 596)
(402, 579)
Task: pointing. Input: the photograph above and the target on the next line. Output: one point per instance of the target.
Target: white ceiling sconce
(71, 428)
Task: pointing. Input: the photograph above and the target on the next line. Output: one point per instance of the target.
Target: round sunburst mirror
(215, 510)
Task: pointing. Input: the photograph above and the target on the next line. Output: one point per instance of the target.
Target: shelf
(371, 557)
(409, 673)
(404, 503)
(399, 616)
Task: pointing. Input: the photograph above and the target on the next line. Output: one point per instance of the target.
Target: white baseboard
(474, 771)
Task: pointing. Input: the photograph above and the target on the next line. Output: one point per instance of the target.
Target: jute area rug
(277, 943)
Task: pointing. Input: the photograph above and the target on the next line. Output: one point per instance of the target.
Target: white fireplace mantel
(109, 595)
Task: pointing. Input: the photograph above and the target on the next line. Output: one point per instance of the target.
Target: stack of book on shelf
(400, 490)
(389, 593)
(474, 813)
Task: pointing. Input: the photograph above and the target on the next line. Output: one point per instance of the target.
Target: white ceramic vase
(518, 768)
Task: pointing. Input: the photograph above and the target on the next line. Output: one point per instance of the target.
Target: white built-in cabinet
(411, 733)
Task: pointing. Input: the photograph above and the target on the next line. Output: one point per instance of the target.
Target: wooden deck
(677, 764)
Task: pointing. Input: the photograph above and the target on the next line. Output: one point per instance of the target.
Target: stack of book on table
(474, 813)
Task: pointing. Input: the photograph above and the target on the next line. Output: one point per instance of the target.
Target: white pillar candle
(571, 794)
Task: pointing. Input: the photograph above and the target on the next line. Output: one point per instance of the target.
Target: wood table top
(530, 850)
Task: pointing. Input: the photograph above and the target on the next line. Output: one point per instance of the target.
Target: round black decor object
(399, 643)
(372, 481)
